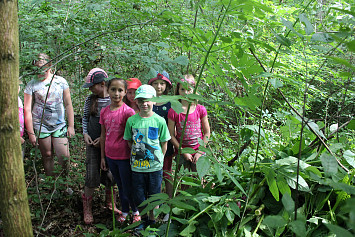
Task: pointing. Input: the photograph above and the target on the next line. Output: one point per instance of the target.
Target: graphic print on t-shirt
(142, 152)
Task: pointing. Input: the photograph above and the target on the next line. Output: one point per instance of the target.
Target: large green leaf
(234, 180)
(288, 203)
(271, 181)
(188, 150)
(298, 227)
(182, 60)
(290, 160)
(282, 185)
(329, 164)
(235, 208)
(182, 205)
(351, 125)
(203, 165)
(218, 172)
(323, 37)
(343, 62)
(316, 128)
(308, 26)
(351, 46)
(349, 156)
(292, 181)
(289, 25)
(176, 106)
(274, 221)
(189, 229)
(212, 199)
(276, 83)
(229, 215)
(339, 231)
(283, 40)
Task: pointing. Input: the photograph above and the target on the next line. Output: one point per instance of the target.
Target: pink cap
(96, 75)
(160, 77)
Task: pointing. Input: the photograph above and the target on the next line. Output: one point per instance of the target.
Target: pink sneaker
(136, 218)
(121, 218)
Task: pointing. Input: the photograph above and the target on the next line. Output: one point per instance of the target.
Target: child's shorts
(146, 184)
(60, 133)
(94, 175)
(188, 164)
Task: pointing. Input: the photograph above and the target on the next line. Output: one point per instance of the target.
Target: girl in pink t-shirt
(114, 148)
(197, 125)
(21, 117)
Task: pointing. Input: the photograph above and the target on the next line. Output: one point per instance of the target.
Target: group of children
(130, 140)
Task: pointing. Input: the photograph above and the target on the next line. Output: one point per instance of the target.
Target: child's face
(144, 105)
(44, 70)
(97, 89)
(116, 91)
(183, 91)
(160, 86)
(131, 93)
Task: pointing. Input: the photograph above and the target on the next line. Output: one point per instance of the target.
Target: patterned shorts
(60, 133)
(94, 174)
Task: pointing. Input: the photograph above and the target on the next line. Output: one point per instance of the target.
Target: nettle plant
(278, 84)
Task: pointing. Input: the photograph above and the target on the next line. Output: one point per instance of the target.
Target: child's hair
(94, 103)
(187, 78)
(41, 56)
(117, 79)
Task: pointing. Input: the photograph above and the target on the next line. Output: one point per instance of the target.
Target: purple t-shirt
(193, 126)
(116, 147)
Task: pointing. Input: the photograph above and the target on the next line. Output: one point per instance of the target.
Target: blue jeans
(121, 171)
(146, 184)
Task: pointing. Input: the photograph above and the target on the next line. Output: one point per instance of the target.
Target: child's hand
(87, 139)
(71, 132)
(22, 140)
(103, 164)
(196, 157)
(32, 138)
(96, 142)
(187, 156)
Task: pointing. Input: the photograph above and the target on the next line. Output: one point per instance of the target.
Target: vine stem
(200, 213)
(188, 110)
(301, 134)
(302, 118)
(36, 148)
(86, 41)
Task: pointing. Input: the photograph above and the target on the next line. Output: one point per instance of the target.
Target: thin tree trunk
(14, 208)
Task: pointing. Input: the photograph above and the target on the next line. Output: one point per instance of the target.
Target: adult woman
(46, 118)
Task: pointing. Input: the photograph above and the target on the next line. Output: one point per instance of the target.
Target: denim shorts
(146, 184)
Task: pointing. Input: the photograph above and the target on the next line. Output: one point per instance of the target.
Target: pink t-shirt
(193, 126)
(116, 147)
(20, 116)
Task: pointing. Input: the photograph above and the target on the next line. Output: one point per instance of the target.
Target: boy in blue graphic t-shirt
(147, 135)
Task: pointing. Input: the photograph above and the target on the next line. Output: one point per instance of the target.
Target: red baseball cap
(133, 83)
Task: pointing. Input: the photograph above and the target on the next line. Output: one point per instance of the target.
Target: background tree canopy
(277, 78)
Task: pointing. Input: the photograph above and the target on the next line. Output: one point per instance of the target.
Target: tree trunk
(14, 209)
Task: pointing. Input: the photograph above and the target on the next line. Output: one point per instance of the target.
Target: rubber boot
(87, 209)
(109, 201)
